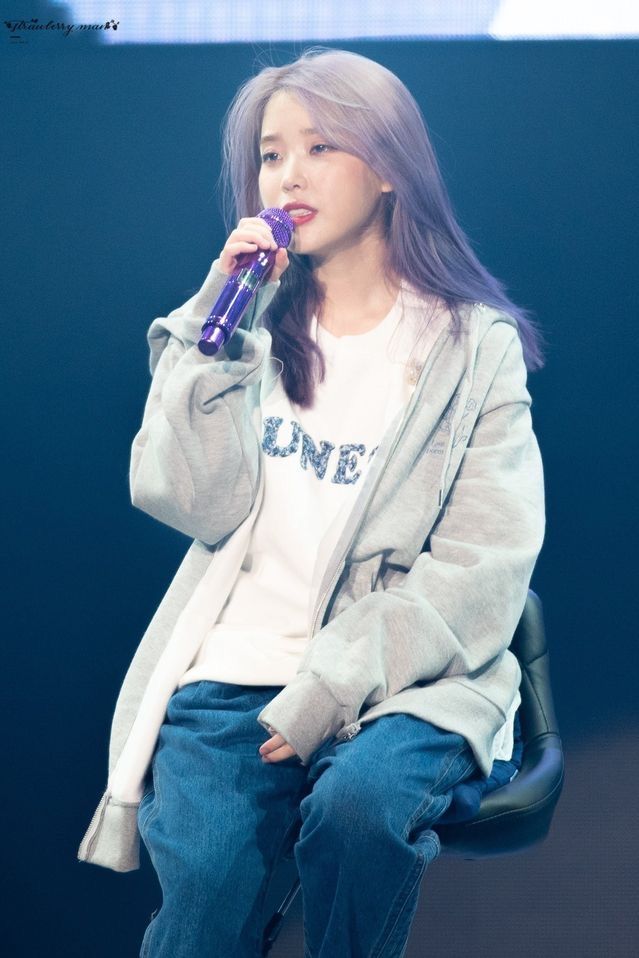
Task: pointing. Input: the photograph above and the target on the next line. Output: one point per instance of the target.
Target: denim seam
(403, 897)
(432, 793)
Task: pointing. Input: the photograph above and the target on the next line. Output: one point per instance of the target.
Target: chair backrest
(519, 814)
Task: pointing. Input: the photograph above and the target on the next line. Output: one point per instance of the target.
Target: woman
(359, 474)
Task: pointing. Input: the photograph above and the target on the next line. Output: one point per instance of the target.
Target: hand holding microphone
(254, 252)
(252, 234)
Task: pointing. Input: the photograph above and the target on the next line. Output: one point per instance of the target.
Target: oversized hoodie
(417, 597)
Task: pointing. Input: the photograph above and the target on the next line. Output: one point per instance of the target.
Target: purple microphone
(243, 283)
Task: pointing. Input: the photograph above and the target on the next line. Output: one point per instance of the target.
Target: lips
(300, 212)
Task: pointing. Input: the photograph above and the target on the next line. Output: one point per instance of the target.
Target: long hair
(362, 108)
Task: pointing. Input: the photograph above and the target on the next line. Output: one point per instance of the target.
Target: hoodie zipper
(95, 825)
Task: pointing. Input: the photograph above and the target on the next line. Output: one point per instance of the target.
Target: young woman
(359, 474)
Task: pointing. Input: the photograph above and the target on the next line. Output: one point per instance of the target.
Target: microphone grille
(281, 224)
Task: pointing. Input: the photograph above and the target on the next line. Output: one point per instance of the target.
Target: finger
(279, 754)
(228, 256)
(255, 239)
(230, 253)
(281, 264)
(274, 742)
(262, 234)
(251, 221)
(241, 246)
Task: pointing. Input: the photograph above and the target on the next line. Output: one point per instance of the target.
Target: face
(335, 199)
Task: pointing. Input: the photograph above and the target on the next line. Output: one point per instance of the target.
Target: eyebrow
(273, 137)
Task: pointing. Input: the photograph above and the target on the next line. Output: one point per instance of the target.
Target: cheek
(358, 190)
(263, 187)
(358, 198)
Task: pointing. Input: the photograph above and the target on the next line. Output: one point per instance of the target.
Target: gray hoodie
(417, 598)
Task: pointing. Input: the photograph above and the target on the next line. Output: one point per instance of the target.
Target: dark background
(111, 218)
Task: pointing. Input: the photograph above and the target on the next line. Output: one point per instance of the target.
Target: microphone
(243, 283)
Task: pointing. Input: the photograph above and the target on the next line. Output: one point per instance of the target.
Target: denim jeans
(216, 819)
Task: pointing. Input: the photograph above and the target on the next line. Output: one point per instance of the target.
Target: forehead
(284, 109)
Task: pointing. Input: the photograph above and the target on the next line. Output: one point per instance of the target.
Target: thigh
(214, 820)
(398, 767)
(211, 795)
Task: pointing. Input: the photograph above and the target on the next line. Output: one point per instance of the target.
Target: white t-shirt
(315, 461)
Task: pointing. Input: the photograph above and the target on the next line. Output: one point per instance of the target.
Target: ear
(386, 187)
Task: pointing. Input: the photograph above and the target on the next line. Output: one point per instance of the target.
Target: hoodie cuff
(305, 713)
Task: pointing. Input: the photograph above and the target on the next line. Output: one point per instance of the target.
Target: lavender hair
(364, 109)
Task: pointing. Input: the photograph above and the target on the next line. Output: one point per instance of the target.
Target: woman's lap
(217, 818)
(208, 749)
(207, 762)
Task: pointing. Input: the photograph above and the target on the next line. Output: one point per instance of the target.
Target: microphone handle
(237, 294)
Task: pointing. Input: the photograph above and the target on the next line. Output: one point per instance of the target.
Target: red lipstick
(300, 213)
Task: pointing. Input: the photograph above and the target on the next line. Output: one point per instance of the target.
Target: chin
(301, 248)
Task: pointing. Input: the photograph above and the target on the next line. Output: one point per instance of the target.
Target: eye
(269, 157)
(322, 148)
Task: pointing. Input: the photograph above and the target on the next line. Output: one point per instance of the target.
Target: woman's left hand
(276, 749)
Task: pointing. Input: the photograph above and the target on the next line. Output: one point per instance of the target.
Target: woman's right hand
(250, 234)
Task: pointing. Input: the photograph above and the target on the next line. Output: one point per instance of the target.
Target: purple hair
(364, 109)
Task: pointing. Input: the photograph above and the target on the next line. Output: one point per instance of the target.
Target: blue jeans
(216, 820)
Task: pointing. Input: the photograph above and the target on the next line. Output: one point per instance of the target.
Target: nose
(293, 175)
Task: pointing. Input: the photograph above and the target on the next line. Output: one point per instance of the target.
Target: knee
(345, 811)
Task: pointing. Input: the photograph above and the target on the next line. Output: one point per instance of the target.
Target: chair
(518, 814)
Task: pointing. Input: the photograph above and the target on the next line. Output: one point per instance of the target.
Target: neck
(358, 293)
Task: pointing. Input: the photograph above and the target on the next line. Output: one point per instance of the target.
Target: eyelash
(325, 149)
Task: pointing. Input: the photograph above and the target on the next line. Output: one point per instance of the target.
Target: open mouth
(301, 214)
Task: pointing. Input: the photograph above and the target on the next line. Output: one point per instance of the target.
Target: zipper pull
(351, 731)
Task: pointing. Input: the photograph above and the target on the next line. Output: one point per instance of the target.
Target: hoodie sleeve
(455, 611)
(195, 459)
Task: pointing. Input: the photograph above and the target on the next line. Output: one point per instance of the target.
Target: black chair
(518, 814)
